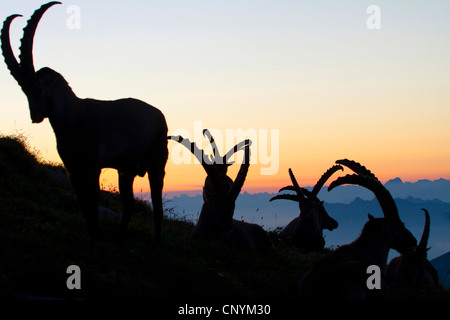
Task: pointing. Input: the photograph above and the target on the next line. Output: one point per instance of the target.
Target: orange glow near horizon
(190, 178)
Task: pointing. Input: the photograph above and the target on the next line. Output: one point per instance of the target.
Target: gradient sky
(310, 69)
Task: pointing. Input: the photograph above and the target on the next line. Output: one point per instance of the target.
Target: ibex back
(128, 135)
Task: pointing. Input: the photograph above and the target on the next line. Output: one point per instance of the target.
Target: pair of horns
(216, 158)
(302, 193)
(24, 71)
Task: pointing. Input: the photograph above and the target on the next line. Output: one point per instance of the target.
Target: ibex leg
(126, 193)
(156, 185)
(86, 186)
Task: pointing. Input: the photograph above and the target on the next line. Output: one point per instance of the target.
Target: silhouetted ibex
(306, 231)
(342, 273)
(219, 197)
(414, 268)
(128, 135)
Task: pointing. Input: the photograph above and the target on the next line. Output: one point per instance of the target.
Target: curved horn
(242, 174)
(239, 146)
(8, 54)
(324, 178)
(357, 168)
(216, 154)
(297, 188)
(291, 197)
(383, 196)
(426, 232)
(215, 150)
(287, 188)
(199, 154)
(305, 193)
(26, 47)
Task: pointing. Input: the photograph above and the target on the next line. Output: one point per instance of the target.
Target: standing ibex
(306, 231)
(342, 273)
(414, 268)
(219, 197)
(128, 135)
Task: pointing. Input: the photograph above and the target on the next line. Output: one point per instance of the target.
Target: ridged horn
(26, 47)
(383, 196)
(297, 188)
(357, 168)
(300, 192)
(426, 232)
(8, 54)
(217, 158)
(287, 188)
(242, 174)
(216, 154)
(324, 178)
(291, 197)
(239, 146)
(198, 153)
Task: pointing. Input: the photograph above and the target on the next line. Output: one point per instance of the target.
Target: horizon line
(263, 189)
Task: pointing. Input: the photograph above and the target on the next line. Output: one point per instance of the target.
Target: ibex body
(219, 197)
(342, 273)
(128, 135)
(414, 268)
(306, 231)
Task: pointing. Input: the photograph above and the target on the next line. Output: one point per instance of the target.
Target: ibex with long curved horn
(306, 231)
(342, 273)
(219, 195)
(414, 268)
(128, 135)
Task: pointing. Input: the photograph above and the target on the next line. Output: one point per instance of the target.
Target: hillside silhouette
(42, 232)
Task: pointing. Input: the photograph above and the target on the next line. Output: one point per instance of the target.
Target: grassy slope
(42, 232)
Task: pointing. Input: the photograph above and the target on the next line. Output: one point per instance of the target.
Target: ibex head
(311, 207)
(399, 238)
(40, 86)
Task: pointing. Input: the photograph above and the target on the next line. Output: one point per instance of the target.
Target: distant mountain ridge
(257, 208)
(422, 189)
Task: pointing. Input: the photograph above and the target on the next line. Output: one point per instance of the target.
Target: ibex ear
(371, 217)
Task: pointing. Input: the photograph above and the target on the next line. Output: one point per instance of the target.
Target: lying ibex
(128, 135)
(342, 273)
(306, 231)
(219, 195)
(414, 268)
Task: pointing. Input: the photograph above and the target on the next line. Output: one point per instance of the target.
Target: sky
(310, 81)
